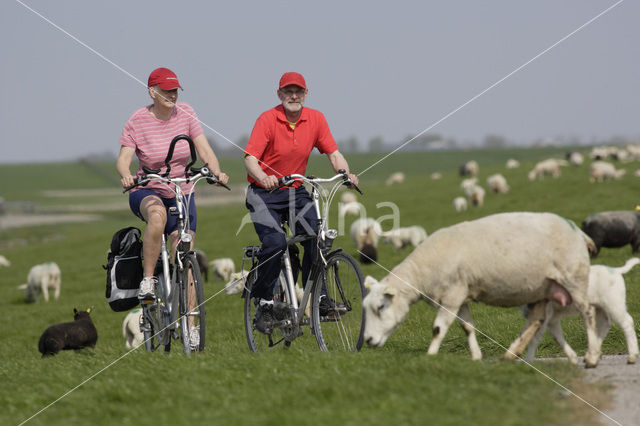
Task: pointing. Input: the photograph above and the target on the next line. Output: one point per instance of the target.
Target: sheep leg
(555, 328)
(466, 322)
(534, 322)
(592, 357)
(535, 340)
(444, 318)
(625, 321)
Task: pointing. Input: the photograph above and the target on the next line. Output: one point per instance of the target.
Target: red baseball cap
(165, 78)
(289, 78)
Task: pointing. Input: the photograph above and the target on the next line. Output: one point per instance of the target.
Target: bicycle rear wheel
(192, 311)
(341, 329)
(155, 324)
(258, 342)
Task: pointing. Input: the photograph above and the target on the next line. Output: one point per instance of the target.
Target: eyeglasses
(290, 92)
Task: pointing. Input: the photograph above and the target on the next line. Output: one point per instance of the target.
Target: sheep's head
(384, 311)
(236, 285)
(368, 254)
(81, 314)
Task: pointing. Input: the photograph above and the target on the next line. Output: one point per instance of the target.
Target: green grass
(228, 385)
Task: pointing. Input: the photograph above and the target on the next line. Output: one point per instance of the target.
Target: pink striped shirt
(151, 138)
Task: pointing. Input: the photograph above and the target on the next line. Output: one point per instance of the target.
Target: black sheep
(613, 229)
(76, 334)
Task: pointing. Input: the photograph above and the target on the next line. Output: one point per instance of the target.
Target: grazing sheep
(607, 293)
(498, 184)
(475, 195)
(507, 259)
(4, 261)
(43, 277)
(402, 237)
(76, 334)
(436, 175)
(203, 264)
(365, 233)
(601, 170)
(236, 285)
(131, 329)
(575, 158)
(466, 183)
(512, 164)
(223, 268)
(470, 168)
(460, 204)
(348, 197)
(353, 208)
(613, 229)
(546, 167)
(397, 177)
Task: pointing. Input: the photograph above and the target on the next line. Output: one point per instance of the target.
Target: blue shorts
(136, 197)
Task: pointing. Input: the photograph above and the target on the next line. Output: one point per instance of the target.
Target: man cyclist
(280, 144)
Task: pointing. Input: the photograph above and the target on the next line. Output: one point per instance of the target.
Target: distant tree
(494, 141)
(352, 144)
(376, 144)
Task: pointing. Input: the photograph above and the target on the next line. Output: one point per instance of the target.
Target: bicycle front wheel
(338, 321)
(258, 342)
(192, 312)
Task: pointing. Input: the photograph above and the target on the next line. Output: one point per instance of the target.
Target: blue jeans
(268, 210)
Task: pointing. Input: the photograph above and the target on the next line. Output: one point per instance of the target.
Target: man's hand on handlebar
(353, 178)
(269, 182)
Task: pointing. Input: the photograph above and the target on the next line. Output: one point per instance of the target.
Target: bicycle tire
(343, 329)
(258, 342)
(158, 332)
(191, 281)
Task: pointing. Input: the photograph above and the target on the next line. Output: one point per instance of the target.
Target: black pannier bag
(124, 269)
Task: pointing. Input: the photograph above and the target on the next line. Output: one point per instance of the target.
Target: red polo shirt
(283, 150)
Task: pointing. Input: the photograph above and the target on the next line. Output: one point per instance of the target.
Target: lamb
(546, 167)
(203, 264)
(460, 204)
(353, 208)
(607, 293)
(470, 168)
(575, 158)
(365, 233)
(223, 268)
(601, 170)
(436, 175)
(466, 183)
(498, 184)
(506, 259)
(43, 277)
(348, 197)
(4, 261)
(613, 229)
(236, 285)
(131, 329)
(475, 195)
(512, 163)
(397, 177)
(402, 237)
(76, 334)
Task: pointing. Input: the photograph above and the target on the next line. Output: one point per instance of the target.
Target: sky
(75, 70)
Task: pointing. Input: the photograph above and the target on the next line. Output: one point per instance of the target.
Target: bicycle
(334, 274)
(180, 278)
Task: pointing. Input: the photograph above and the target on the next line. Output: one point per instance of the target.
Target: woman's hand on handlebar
(127, 181)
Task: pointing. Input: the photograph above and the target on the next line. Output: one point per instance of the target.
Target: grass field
(228, 385)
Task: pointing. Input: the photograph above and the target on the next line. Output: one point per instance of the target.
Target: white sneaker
(147, 288)
(194, 338)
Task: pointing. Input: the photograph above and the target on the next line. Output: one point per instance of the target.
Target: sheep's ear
(389, 292)
(369, 281)
(89, 310)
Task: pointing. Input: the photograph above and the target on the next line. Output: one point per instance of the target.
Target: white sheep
(550, 166)
(223, 268)
(4, 261)
(436, 175)
(470, 168)
(236, 285)
(131, 329)
(402, 237)
(365, 233)
(466, 183)
(42, 278)
(601, 170)
(397, 177)
(348, 197)
(575, 158)
(475, 195)
(498, 184)
(352, 208)
(512, 163)
(506, 259)
(460, 204)
(607, 293)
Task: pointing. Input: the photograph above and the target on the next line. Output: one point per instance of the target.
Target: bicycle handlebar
(192, 174)
(192, 150)
(289, 179)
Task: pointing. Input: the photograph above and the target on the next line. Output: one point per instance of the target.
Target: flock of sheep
(544, 267)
